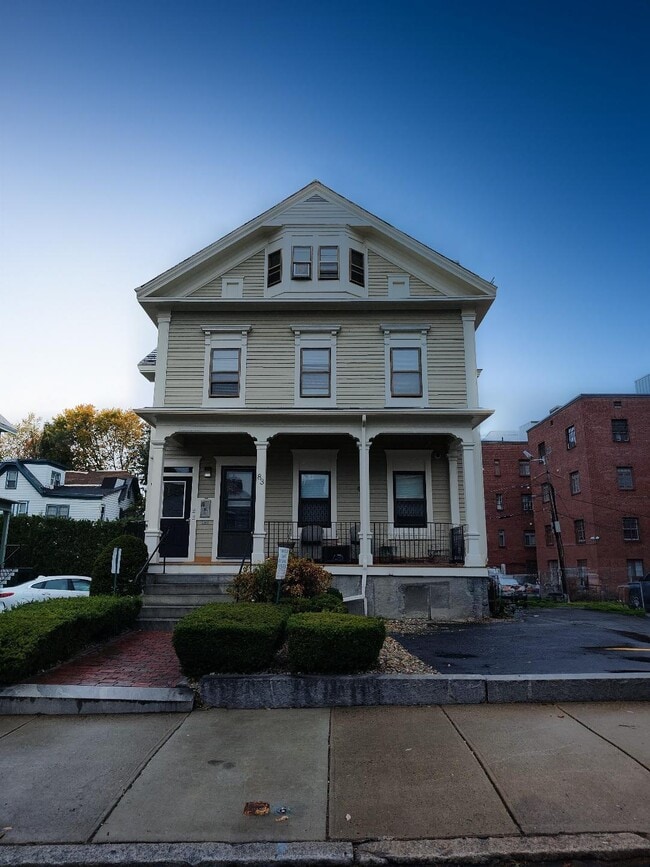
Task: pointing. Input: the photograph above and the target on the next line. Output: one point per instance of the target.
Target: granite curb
(35, 698)
(624, 850)
(255, 692)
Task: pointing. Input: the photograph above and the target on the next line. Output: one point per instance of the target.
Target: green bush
(62, 546)
(134, 556)
(303, 578)
(334, 643)
(40, 634)
(322, 602)
(219, 637)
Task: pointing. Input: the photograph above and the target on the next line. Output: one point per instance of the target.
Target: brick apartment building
(596, 459)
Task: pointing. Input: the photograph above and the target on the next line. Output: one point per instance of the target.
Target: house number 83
(260, 478)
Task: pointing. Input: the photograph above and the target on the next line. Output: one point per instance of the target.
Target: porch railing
(340, 542)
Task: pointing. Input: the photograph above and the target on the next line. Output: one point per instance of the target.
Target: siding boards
(252, 270)
(379, 268)
(440, 490)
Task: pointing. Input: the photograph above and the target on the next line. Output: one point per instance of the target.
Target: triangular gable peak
(199, 276)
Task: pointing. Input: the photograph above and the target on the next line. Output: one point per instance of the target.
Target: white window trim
(406, 337)
(315, 337)
(219, 463)
(225, 337)
(232, 287)
(405, 461)
(317, 460)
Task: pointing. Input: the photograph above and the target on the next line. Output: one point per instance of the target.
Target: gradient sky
(511, 136)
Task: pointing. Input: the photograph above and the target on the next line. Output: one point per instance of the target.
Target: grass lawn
(609, 607)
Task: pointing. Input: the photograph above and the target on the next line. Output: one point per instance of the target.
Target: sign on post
(116, 562)
(281, 569)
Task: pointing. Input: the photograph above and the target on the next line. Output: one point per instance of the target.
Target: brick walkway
(136, 659)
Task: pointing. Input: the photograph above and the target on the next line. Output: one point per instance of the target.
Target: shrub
(303, 578)
(322, 602)
(62, 546)
(241, 637)
(334, 643)
(134, 556)
(41, 634)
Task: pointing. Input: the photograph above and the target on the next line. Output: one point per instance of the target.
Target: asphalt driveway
(542, 641)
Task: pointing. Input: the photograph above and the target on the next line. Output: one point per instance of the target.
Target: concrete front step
(171, 596)
(157, 579)
(200, 591)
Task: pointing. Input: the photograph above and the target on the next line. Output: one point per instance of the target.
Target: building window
(524, 468)
(301, 263)
(315, 373)
(620, 431)
(579, 530)
(624, 478)
(527, 502)
(502, 538)
(357, 268)
(274, 268)
(225, 372)
(406, 372)
(328, 263)
(529, 540)
(571, 437)
(499, 502)
(497, 467)
(11, 480)
(631, 529)
(546, 492)
(635, 569)
(541, 452)
(57, 511)
(20, 508)
(55, 479)
(548, 535)
(574, 482)
(409, 499)
(314, 502)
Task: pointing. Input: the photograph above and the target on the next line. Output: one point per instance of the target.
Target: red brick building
(509, 505)
(593, 454)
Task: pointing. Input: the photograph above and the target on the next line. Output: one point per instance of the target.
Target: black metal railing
(340, 542)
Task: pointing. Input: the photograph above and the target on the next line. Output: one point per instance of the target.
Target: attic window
(328, 263)
(11, 479)
(357, 268)
(301, 263)
(274, 275)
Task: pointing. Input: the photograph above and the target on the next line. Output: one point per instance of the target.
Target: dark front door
(175, 518)
(236, 512)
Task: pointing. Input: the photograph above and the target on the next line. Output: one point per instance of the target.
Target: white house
(316, 386)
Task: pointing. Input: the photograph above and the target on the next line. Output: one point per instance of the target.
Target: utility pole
(557, 535)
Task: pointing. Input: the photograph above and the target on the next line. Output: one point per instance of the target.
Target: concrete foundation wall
(436, 598)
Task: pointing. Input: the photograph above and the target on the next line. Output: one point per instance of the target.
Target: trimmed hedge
(323, 602)
(334, 643)
(241, 637)
(134, 556)
(63, 546)
(40, 634)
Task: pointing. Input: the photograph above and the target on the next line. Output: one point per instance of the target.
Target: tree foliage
(85, 438)
(25, 444)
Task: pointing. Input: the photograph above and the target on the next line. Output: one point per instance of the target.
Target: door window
(174, 499)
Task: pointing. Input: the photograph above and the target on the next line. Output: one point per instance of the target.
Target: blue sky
(511, 136)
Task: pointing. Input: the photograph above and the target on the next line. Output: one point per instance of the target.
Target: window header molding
(404, 329)
(226, 329)
(315, 329)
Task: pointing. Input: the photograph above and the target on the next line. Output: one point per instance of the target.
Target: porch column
(365, 536)
(153, 504)
(473, 538)
(454, 491)
(259, 534)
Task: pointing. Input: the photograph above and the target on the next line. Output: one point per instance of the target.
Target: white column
(471, 372)
(365, 536)
(153, 505)
(161, 359)
(259, 534)
(473, 536)
(454, 490)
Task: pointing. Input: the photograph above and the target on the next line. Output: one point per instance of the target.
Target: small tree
(303, 579)
(134, 556)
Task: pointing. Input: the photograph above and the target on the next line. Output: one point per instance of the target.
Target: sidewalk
(435, 778)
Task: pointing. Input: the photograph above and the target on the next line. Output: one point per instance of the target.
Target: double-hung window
(406, 372)
(570, 434)
(579, 530)
(574, 482)
(625, 478)
(225, 365)
(406, 365)
(20, 508)
(328, 263)
(301, 263)
(315, 360)
(620, 430)
(11, 480)
(527, 502)
(315, 372)
(631, 529)
(524, 468)
(409, 499)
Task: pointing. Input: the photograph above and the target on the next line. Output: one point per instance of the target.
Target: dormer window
(301, 263)
(274, 268)
(55, 479)
(357, 268)
(328, 263)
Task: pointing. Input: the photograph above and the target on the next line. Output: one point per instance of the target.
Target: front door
(175, 518)
(236, 512)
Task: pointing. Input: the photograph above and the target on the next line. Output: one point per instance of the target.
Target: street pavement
(538, 641)
(347, 774)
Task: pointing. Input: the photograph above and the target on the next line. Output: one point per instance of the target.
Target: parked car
(42, 588)
(510, 588)
(638, 594)
(533, 590)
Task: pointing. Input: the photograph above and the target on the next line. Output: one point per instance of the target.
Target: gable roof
(95, 491)
(190, 273)
(6, 426)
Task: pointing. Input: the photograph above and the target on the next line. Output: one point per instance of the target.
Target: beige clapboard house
(316, 387)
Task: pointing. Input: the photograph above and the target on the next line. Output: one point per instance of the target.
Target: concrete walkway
(333, 780)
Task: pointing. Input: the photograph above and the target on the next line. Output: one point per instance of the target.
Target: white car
(41, 588)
